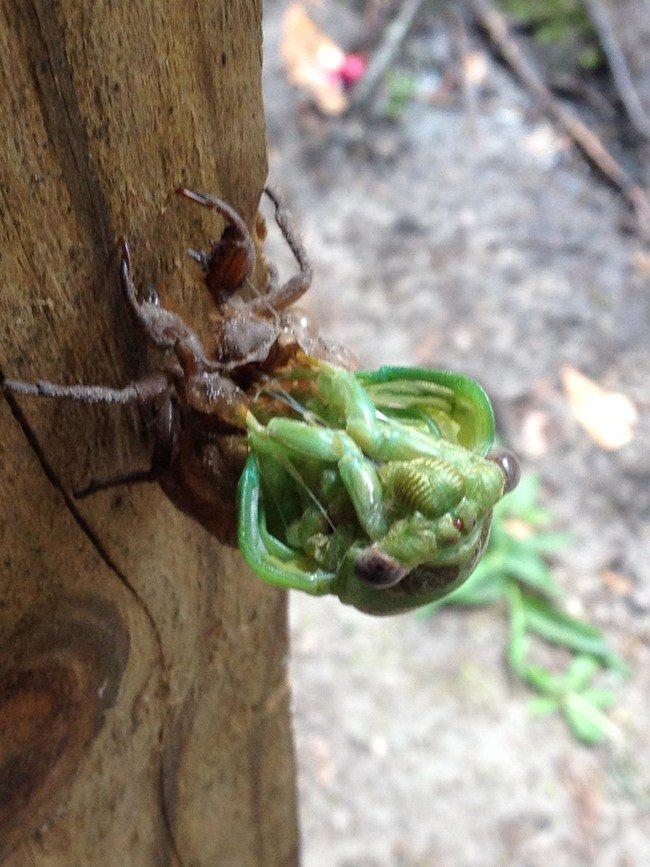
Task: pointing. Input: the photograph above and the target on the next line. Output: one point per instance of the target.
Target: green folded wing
(456, 404)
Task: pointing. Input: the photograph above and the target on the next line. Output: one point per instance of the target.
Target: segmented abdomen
(428, 485)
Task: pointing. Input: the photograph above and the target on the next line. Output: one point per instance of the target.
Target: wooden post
(143, 701)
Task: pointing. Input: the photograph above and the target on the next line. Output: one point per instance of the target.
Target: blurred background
(453, 223)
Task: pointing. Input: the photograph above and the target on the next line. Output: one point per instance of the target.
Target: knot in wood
(58, 676)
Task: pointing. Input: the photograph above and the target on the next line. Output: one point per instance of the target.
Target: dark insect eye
(374, 567)
(509, 466)
(458, 524)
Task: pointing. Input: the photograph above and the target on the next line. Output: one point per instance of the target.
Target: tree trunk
(143, 700)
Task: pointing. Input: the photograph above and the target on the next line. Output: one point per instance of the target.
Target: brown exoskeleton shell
(201, 398)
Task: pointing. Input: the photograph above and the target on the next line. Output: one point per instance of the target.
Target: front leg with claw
(301, 441)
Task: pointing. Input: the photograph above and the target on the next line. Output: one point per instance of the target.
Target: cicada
(381, 491)
(377, 487)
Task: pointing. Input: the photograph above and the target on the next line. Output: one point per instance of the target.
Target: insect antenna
(280, 394)
(293, 472)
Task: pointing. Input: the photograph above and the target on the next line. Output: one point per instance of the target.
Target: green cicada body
(377, 488)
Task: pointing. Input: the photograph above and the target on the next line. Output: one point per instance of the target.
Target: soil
(475, 239)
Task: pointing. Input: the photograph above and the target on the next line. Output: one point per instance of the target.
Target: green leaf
(542, 705)
(580, 673)
(603, 699)
(531, 570)
(548, 543)
(537, 517)
(518, 644)
(541, 679)
(587, 723)
(509, 566)
(590, 57)
(523, 497)
(562, 629)
(483, 587)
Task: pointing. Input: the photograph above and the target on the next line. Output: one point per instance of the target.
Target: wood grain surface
(144, 710)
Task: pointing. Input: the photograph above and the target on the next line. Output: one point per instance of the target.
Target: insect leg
(231, 217)
(164, 329)
(281, 297)
(382, 439)
(165, 445)
(331, 446)
(142, 391)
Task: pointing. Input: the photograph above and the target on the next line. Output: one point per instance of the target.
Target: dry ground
(489, 247)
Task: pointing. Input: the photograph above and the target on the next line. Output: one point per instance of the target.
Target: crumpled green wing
(268, 557)
(453, 403)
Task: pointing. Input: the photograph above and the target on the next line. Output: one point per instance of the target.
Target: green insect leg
(381, 439)
(330, 446)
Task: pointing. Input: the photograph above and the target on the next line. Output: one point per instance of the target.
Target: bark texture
(143, 703)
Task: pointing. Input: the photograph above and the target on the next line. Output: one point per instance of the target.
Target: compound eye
(375, 568)
(508, 463)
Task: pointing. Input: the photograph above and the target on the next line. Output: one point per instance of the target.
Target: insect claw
(194, 197)
(126, 252)
(199, 257)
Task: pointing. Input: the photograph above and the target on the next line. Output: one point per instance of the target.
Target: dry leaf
(313, 61)
(617, 583)
(608, 416)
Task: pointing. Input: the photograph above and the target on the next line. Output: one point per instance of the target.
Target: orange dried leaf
(608, 416)
(312, 60)
(617, 583)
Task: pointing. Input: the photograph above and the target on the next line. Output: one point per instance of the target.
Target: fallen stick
(462, 52)
(618, 67)
(496, 26)
(385, 53)
(565, 84)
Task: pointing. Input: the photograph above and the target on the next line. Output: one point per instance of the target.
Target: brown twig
(497, 28)
(375, 14)
(385, 53)
(618, 67)
(462, 57)
(565, 84)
